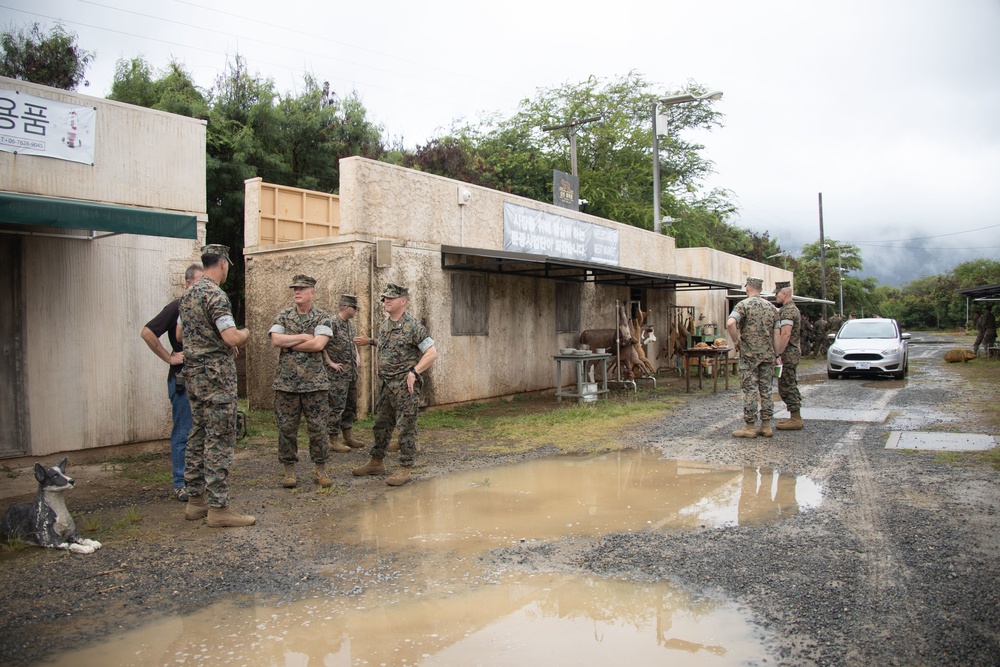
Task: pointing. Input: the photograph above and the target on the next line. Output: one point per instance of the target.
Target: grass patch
(526, 425)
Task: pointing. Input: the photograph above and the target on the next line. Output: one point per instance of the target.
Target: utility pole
(572, 125)
(822, 252)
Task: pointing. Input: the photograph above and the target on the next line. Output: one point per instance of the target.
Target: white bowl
(567, 350)
(601, 350)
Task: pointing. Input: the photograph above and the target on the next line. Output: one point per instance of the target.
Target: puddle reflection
(576, 495)
(439, 605)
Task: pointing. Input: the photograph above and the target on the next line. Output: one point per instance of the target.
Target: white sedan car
(869, 346)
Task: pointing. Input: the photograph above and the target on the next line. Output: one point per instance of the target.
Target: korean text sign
(31, 125)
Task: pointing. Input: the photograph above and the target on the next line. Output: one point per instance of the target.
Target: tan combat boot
(399, 478)
(336, 445)
(747, 431)
(793, 423)
(319, 475)
(224, 517)
(289, 482)
(196, 508)
(349, 439)
(393, 446)
(765, 429)
(373, 467)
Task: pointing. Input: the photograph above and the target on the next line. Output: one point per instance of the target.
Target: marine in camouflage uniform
(789, 332)
(834, 324)
(301, 385)
(752, 326)
(986, 330)
(806, 339)
(342, 360)
(211, 340)
(405, 352)
(820, 328)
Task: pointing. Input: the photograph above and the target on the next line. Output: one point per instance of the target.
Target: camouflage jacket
(299, 372)
(341, 348)
(833, 326)
(205, 312)
(789, 314)
(756, 319)
(400, 346)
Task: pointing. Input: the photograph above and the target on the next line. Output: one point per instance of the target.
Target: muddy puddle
(427, 594)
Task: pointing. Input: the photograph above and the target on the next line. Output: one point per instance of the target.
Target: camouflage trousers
(289, 408)
(755, 380)
(986, 338)
(395, 406)
(788, 386)
(343, 402)
(211, 441)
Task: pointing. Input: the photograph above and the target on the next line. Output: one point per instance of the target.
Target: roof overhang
(456, 258)
(32, 210)
(739, 296)
(981, 293)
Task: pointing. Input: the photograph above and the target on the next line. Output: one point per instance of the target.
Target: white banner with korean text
(31, 125)
(539, 233)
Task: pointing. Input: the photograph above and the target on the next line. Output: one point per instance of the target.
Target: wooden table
(579, 360)
(700, 352)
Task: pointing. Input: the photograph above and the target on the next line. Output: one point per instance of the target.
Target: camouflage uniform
(343, 383)
(400, 346)
(819, 332)
(986, 331)
(301, 387)
(788, 385)
(834, 324)
(210, 370)
(756, 320)
(806, 339)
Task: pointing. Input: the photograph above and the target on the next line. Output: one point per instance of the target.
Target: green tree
(51, 59)
(172, 90)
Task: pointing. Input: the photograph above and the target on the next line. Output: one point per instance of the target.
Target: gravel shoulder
(898, 565)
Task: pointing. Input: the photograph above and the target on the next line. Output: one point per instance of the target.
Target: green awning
(22, 209)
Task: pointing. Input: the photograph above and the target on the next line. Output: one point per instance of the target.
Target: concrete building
(501, 282)
(102, 206)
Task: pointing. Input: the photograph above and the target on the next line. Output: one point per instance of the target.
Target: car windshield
(859, 329)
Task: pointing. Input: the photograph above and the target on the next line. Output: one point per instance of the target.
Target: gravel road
(897, 566)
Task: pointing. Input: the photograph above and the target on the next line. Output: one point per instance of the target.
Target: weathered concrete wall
(91, 381)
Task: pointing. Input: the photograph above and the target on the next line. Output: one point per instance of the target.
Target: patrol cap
(302, 280)
(216, 249)
(755, 282)
(394, 291)
(349, 300)
(782, 285)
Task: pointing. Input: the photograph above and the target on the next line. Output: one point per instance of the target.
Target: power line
(937, 236)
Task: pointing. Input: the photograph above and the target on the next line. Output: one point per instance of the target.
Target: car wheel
(832, 375)
(898, 375)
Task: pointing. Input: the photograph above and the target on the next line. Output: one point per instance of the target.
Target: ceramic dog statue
(47, 522)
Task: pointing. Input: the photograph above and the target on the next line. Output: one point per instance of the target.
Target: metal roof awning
(22, 209)
(739, 296)
(457, 258)
(984, 292)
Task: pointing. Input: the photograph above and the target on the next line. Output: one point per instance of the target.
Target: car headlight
(837, 351)
(891, 350)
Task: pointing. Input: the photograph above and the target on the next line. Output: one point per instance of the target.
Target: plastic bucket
(589, 391)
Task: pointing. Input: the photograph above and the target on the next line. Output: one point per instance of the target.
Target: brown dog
(958, 354)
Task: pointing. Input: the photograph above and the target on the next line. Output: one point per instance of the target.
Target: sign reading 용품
(31, 125)
(539, 233)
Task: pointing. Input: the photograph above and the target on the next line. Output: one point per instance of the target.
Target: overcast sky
(890, 108)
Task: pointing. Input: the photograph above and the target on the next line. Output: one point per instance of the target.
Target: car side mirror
(831, 336)
(906, 336)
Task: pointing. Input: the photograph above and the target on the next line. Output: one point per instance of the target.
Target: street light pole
(669, 101)
(840, 272)
(783, 253)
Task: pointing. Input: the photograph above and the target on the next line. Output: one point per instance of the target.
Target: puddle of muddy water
(440, 603)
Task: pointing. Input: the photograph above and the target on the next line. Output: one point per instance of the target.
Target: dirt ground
(898, 565)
